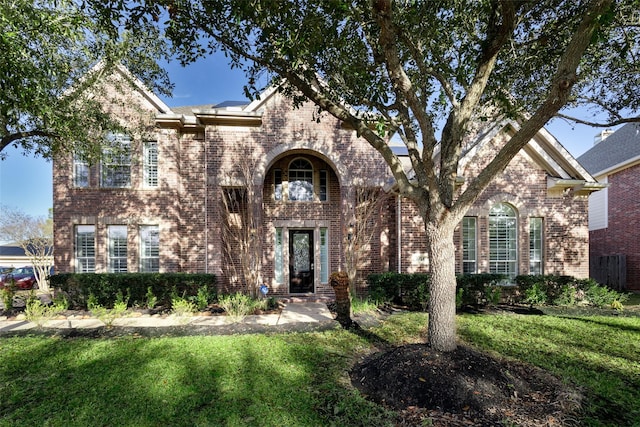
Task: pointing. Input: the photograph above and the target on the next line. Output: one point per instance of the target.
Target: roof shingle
(622, 145)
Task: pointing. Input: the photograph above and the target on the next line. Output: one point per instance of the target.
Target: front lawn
(295, 379)
(600, 354)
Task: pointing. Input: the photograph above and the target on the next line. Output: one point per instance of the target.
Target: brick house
(614, 213)
(185, 191)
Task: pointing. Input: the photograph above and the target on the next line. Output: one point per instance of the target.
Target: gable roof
(563, 171)
(618, 150)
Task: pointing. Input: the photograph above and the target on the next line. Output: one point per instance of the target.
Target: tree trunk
(340, 283)
(442, 288)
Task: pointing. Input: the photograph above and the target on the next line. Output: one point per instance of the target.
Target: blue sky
(26, 183)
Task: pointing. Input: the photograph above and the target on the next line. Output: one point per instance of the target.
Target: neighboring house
(167, 204)
(614, 213)
(12, 255)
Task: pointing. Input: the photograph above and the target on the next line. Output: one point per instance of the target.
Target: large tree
(428, 71)
(51, 54)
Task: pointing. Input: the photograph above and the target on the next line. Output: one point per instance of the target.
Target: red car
(23, 278)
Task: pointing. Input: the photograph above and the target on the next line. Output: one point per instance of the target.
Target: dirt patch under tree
(462, 388)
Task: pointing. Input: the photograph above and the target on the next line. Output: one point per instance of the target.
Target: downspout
(206, 210)
(399, 231)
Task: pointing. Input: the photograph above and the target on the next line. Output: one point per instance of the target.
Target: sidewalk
(295, 316)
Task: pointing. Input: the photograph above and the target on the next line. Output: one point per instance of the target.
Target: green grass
(597, 353)
(633, 303)
(291, 379)
(278, 380)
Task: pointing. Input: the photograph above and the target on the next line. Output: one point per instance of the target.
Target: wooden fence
(610, 270)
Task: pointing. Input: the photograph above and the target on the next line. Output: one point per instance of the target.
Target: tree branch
(16, 136)
(403, 87)
(500, 27)
(600, 124)
(559, 91)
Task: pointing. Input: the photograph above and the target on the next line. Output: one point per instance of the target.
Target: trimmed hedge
(411, 290)
(105, 286)
(479, 290)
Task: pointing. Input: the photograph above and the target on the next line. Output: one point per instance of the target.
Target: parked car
(4, 271)
(23, 278)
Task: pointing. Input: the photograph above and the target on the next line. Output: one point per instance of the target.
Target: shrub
(181, 306)
(535, 295)
(104, 314)
(411, 290)
(150, 299)
(104, 286)
(566, 290)
(237, 306)
(478, 290)
(601, 296)
(6, 294)
(36, 312)
(202, 298)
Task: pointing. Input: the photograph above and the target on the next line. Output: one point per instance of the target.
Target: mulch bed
(462, 388)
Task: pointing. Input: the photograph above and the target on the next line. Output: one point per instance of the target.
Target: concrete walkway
(294, 316)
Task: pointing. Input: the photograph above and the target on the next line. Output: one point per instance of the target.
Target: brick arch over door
(342, 172)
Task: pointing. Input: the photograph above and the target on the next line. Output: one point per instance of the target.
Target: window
(278, 267)
(85, 248)
(117, 248)
(149, 249)
(323, 186)
(277, 182)
(150, 165)
(503, 238)
(300, 180)
(324, 256)
(80, 171)
(116, 163)
(535, 246)
(469, 246)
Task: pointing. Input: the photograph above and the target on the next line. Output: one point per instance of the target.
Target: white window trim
(119, 160)
(143, 249)
(79, 162)
(510, 261)
(148, 178)
(306, 171)
(475, 244)
(541, 248)
(111, 231)
(84, 229)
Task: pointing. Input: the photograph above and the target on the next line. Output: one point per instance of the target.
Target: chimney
(602, 136)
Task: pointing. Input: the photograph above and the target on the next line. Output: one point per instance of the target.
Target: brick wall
(196, 165)
(622, 235)
(523, 186)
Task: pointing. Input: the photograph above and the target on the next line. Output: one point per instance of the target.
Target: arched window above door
(300, 180)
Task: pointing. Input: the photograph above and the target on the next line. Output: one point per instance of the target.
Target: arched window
(503, 240)
(300, 180)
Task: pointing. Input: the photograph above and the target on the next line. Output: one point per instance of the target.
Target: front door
(301, 261)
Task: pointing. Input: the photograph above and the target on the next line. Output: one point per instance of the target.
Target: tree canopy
(49, 50)
(429, 71)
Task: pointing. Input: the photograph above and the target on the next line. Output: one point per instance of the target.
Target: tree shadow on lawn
(177, 381)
